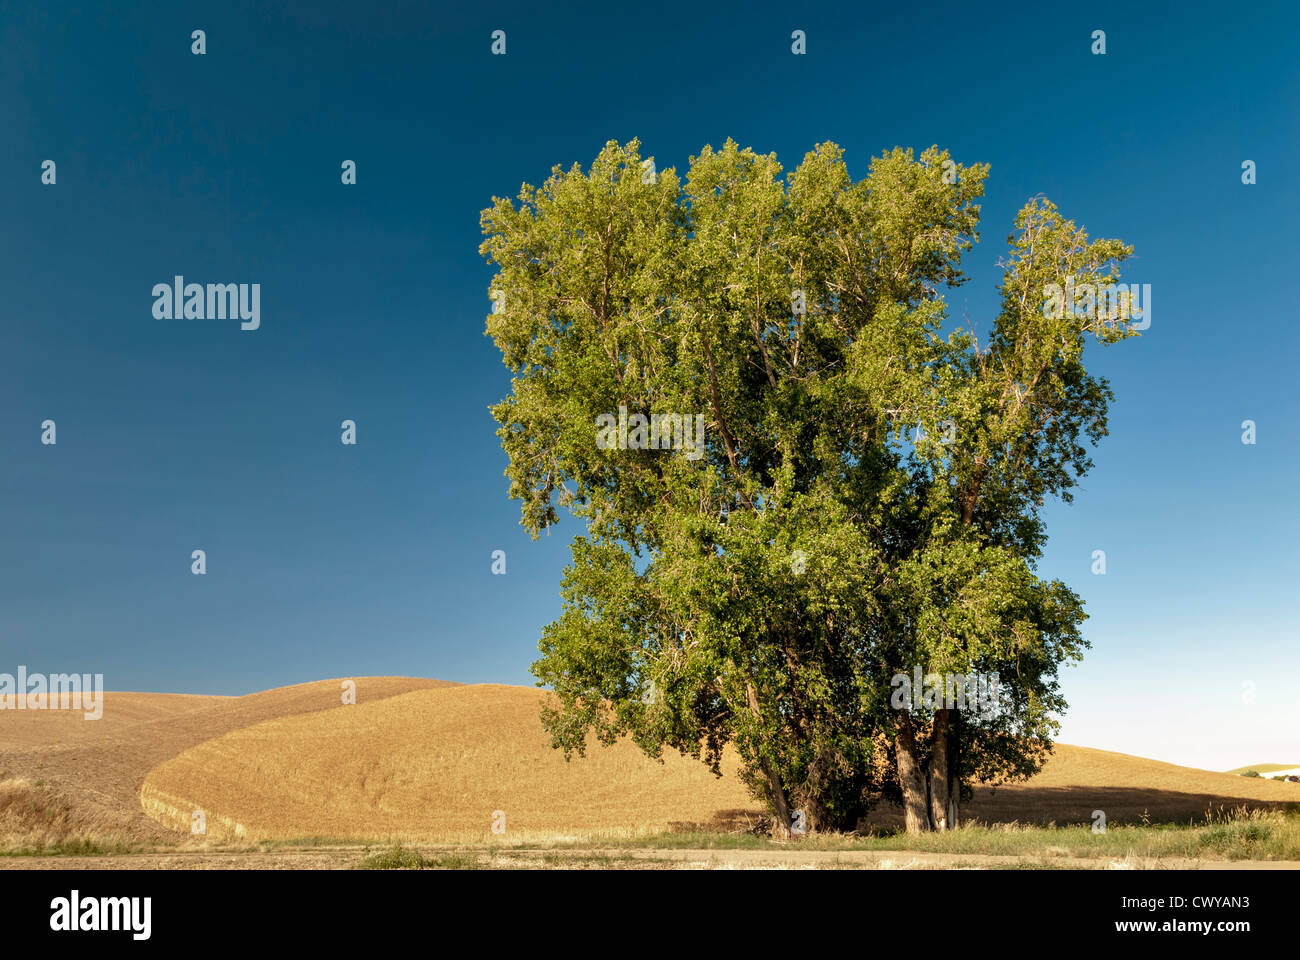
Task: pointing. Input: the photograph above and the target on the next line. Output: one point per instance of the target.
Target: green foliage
(395, 857)
(398, 857)
(688, 622)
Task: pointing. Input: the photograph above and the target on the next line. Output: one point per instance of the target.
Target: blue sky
(326, 560)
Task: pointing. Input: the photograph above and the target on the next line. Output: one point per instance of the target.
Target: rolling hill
(426, 759)
(95, 768)
(435, 764)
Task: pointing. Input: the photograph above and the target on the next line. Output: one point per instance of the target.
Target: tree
(860, 494)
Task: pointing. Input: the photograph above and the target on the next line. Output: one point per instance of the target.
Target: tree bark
(954, 773)
(776, 790)
(782, 822)
(910, 778)
(942, 803)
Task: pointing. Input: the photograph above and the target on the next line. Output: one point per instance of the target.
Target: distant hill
(1078, 780)
(1263, 768)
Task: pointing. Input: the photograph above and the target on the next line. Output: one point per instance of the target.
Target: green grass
(1224, 835)
(1233, 835)
(398, 857)
(71, 847)
(597, 861)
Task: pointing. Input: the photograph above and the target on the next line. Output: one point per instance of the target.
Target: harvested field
(1078, 780)
(433, 764)
(96, 767)
(427, 761)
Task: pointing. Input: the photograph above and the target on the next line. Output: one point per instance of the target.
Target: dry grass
(35, 819)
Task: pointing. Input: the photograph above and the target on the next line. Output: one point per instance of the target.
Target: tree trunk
(955, 729)
(781, 822)
(911, 779)
(943, 814)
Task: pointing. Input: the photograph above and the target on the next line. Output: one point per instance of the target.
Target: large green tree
(864, 498)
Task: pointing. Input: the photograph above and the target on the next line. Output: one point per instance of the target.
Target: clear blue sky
(326, 560)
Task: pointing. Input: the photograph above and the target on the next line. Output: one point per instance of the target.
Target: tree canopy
(865, 498)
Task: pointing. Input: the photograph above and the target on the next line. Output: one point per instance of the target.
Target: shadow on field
(1038, 805)
(725, 821)
(1075, 805)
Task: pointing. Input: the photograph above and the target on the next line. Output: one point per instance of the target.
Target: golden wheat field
(418, 759)
(63, 776)
(432, 765)
(1077, 780)
(436, 764)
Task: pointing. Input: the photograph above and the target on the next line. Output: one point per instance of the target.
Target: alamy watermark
(976, 692)
(179, 300)
(56, 691)
(1113, 302)
(75, 913)
(659, 431)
